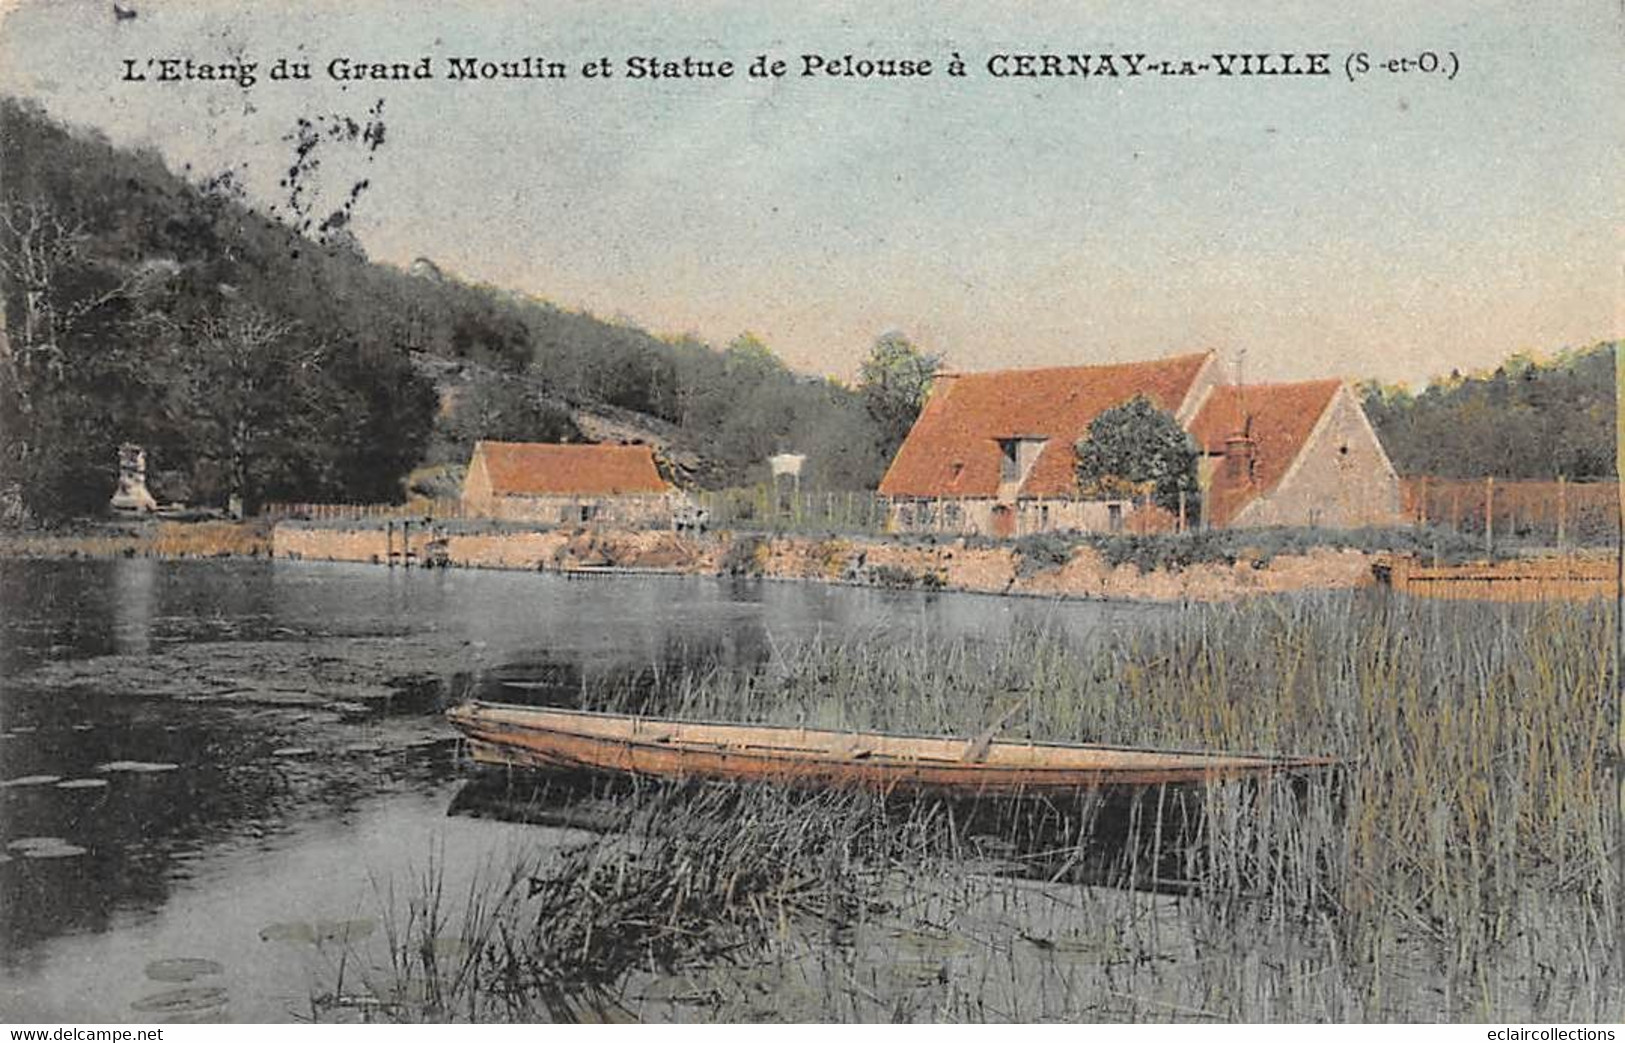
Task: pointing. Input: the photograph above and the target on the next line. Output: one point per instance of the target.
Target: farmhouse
(565, 484)
(993, 453)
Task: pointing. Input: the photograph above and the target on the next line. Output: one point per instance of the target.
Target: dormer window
(1008, 468)
(1017, 455)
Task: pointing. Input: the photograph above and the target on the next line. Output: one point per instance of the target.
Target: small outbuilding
(567, 484)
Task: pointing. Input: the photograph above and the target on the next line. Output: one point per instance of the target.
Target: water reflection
(286, 804)
(133, 598)
(1140, 838)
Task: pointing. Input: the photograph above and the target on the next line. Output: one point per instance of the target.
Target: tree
(894, 382)
(1526, 419)
(749, 357)
(1136, 446)
(504, 410)
(65, 363)
(250, 394)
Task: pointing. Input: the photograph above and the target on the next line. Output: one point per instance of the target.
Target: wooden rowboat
(577, 740)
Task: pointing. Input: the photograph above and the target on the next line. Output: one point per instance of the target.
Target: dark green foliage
(743, 556)
(147, 262)
(1527, 419)
(1136, 445)
(1174, 551)
(1168, 551)
(894, 381)
(898, 577)
(248, 359)
(1043, 552)
(505, 410)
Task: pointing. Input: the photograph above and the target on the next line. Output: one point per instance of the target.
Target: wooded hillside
(1526, 419)
(253, 349)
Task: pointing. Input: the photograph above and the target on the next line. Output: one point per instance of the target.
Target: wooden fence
(1565, 578)
(763, 507)
(412, 509)
(1556, 514)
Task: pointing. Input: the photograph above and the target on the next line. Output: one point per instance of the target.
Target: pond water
(145, 823)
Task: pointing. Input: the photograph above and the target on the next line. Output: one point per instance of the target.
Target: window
(1017, 456)
(1008, 469)
(1114, 517)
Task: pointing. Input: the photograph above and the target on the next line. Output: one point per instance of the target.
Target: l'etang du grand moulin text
(245, 72)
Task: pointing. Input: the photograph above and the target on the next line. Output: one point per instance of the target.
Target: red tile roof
(1283, 416)
(953, 450)
(538, 469)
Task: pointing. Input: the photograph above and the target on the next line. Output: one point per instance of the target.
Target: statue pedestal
(132, 496)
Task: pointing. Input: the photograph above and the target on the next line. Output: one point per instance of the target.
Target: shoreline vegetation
(1203, 566)
(1221, 565)
(1456, 868)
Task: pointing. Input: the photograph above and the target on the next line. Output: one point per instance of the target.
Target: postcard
(823, 512)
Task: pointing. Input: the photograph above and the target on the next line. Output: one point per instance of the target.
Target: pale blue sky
(1396, 226)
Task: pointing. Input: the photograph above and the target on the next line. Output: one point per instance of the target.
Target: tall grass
(1456, 867)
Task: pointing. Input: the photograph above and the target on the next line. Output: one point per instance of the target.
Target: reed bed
(1457, 867)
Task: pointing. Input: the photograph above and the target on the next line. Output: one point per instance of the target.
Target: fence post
(1489, 516)
(1562, 510)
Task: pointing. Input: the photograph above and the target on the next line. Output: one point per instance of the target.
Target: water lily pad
(31, 780)
(292, 751)
(288, 932)
(188, 1000)
(54, 851)
(344, 931)
(137, 767)
(182, 969)
(82, 784)
(24, 843)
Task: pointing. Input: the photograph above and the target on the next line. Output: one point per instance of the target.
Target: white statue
(132, 495)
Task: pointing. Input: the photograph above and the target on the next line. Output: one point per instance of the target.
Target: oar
(976, 752)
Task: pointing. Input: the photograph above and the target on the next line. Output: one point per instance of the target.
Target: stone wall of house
(571, 510)
(978, 517)
(1342, 480)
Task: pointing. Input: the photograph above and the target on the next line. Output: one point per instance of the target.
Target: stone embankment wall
(143, 539)
(870, 561)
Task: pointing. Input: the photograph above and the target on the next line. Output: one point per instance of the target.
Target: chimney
(1239, 453)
